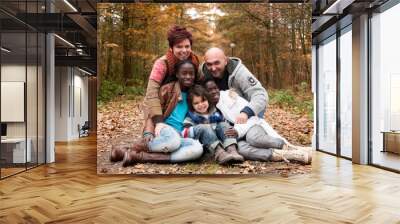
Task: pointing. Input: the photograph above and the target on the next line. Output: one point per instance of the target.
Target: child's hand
(231, 133)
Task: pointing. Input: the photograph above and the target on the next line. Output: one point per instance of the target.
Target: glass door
(327, 95)
(346, 92)
(385, 89)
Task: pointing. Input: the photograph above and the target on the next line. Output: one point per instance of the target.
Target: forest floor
(121, 120)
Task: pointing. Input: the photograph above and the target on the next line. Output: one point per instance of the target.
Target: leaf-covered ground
(121, 121)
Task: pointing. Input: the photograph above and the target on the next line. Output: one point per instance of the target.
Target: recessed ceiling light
(71, 6)
(84, 71)
(5, 50)
(337, 7)
(65, 41)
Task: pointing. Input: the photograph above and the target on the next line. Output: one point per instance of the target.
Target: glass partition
(346, 92)
(22, 88)
(327, 95)
(31, 98)
(385, 89)
(41, 110)
(14, 154)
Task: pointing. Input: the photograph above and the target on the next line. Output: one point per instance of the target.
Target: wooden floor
(70, 191)
(386, 159)
(10, 171)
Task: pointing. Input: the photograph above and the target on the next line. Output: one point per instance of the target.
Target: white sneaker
(292, 155)
(296, 147)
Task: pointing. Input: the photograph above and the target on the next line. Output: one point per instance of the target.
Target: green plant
(282, 98)
(300, 102)
(134, 90)
(303, 87)
(109, 90)
(304, 107)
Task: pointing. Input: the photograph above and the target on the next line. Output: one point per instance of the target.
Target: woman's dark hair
(198, 90)
(177, 34)
(187, 61)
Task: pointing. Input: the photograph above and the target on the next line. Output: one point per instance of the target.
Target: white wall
(33, 126)
(80, 110)
(14, 73)
(12, 101)
(70, 83)
(62, 81)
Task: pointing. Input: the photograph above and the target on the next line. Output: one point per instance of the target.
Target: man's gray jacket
(244, 83)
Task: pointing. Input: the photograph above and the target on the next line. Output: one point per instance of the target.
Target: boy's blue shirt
(215, 117)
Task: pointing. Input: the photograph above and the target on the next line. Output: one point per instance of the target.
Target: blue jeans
(207, 136)
(181, 149)
(220, 130)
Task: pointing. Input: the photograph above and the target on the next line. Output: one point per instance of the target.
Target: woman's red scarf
(172, 60)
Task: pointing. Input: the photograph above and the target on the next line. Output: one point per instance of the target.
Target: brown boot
(222, 157)
(139, 146)
(291, 155)
(232, 149)
(118, 152)
(142, 157)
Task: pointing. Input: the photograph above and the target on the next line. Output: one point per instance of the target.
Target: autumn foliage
(273, 40)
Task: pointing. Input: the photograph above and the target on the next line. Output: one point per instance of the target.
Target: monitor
(3, 129)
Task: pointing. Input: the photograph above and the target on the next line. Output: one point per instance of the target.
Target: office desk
(13, 150)
(391, 141)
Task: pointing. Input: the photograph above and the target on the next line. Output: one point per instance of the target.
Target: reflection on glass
(22, 88)
(385, 84)
(394, 102)
(41, 99)
(346, 93)
(31, 101)
(327, 95)
(14, 146)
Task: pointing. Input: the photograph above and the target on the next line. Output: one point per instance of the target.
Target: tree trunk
(293, 48)
(127, 66)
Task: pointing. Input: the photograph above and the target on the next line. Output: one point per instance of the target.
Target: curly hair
(177, 34)
(187, 61)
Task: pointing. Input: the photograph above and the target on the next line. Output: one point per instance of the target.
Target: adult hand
(242, 118)
(158, 128)
(231, 133)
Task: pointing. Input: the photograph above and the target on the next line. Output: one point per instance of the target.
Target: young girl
(206, 123)
(167, 145)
